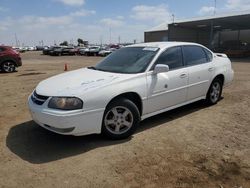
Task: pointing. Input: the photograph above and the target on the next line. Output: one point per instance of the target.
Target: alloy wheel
(215, 92)
(8, 67)
(118, 120)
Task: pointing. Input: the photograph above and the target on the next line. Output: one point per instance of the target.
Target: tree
(64, 43)
(80, 41)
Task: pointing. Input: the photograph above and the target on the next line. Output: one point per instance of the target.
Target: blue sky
(93, 20)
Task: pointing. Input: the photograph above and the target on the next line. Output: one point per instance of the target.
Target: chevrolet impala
(130, 85)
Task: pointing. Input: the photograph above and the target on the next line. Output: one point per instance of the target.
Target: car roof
(162, 45)
(3, 46)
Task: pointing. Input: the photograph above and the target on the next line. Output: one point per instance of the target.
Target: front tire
(8, 66)
(120, 119)
(214, 92)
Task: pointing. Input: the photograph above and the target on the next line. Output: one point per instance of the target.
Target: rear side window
(209, 55)
(194, 55)
(171, 57)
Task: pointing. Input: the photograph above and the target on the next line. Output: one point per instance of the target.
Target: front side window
(128, 60)
(171, 57)
(194, 55)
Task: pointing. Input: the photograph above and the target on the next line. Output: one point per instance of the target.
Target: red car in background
(9, 59)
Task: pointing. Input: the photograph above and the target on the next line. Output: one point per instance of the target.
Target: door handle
(211, 69)
(183, 75)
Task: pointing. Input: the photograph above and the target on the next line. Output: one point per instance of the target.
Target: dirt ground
(192, 146)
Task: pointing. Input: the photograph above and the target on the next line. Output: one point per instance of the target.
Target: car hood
(77, 82)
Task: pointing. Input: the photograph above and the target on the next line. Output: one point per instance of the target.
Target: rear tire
(120, 119)
(214, 92)
(8, 66)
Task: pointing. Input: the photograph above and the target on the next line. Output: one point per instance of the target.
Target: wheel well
(221, 77)
(10, 60)
(134, 97)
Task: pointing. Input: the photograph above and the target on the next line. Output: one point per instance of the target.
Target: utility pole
(110, 35)
(16, 40)
(101, 40)
(173, 17)
(119, 39)
(215, 6)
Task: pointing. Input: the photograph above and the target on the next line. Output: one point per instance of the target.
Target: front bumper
(19, 62)
(66, 122)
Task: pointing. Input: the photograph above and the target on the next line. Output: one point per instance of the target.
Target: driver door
(169, 88)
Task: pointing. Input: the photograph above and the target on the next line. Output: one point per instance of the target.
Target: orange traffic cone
(65, 67)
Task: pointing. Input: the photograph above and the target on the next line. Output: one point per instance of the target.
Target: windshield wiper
(93, 68)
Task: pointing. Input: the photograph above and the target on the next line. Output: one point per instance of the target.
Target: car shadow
(6, 73)
(37, 145)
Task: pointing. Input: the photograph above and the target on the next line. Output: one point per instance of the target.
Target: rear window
(194, 55)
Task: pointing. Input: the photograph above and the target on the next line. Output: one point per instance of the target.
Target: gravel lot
(192, 146)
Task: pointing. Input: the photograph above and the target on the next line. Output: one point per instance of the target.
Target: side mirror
(159, 68)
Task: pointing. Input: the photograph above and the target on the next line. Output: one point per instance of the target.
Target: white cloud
(231, 5)
(83, 12)
(120, 17)
(157, 14)
(3, 9)
(45, 20)
(239, 5)
(109, 22)
(206, 10)
(72, 2)
(31, 29)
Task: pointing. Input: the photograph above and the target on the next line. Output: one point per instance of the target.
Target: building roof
(237, 16)
(162, 45)
(161, 27)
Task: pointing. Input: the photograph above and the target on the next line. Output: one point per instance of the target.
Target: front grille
(38, 99)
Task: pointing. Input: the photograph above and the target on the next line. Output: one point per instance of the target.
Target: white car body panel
(166, 89)
(158, 92)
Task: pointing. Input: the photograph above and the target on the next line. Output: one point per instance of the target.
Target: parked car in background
(83, 51)
(19, 49)
(9, 59)
(93, 51)
(56, 51)
(59, 51)
(131, 84)
(48, 50)
(40, 48)
(106, 52)
(31, 48)
(73, 51)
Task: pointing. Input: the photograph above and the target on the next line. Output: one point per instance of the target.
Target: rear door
(200, 70)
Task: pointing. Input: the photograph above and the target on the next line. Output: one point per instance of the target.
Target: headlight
(65, 103)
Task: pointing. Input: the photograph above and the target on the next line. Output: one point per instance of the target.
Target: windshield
(128, 60)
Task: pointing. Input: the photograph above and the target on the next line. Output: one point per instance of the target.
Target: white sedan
(131, 84)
